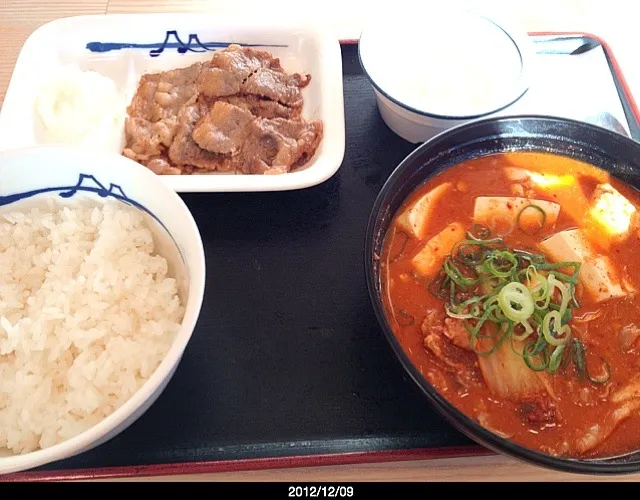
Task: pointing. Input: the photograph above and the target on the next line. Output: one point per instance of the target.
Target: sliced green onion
(568, 357)
(503, 271)
(465, 304)
(507, 294)
(479, 232)
(562, 265)
(542, 217)
(469, 253)
(538, 317)
(497, 344)
(540, 345)
(566, 317)
(578, 357)
(540, 288)
(562, 333)
(530, 356)
(490, 301)
(528, 330)
(456, 276)
(516, 302)
(533, 278)
(534, 258)
(564, 290)
(481, 321)
(487, 243)
(513, 347)
(474, 312)
(556, 358)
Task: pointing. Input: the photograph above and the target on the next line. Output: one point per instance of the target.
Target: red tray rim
(287, 462)
(249, 464)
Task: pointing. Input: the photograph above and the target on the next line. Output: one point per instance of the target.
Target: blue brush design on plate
(193, 44)
(113, 191)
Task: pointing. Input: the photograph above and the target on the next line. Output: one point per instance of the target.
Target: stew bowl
(608, 150)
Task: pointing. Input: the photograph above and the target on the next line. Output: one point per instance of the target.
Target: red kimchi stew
(511, 281)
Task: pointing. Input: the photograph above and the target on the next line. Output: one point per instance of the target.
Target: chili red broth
(580, 420)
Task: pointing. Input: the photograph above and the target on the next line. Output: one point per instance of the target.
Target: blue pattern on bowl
(193, 44)
(113, 191)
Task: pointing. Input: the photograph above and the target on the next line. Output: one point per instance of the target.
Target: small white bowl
(442, 67)
(28, 177)
(123, 47)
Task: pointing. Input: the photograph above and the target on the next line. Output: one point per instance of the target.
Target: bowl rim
(518, 39)
(459, 420)
(155, 382)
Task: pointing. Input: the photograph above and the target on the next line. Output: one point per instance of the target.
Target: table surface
(611, 20)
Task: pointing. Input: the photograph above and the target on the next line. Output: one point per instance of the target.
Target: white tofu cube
(488, 208)
(597, 274)
(428, 260)
(416, 217)
(611, 211)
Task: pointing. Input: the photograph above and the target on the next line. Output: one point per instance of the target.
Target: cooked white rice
(87, 312)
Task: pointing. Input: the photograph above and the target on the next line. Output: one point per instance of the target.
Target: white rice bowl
(87, 313)
(102, 278)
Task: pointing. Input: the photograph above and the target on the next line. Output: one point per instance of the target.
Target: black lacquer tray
(287, 365)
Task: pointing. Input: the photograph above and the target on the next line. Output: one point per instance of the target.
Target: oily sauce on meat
(240, 112)
(580, 405)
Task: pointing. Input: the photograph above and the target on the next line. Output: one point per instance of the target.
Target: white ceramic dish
(440, 69)
(123, 47)
(30, 175)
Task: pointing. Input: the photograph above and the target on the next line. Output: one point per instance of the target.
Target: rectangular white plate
(124, 47)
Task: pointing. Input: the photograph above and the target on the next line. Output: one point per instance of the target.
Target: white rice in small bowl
(99, 294)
